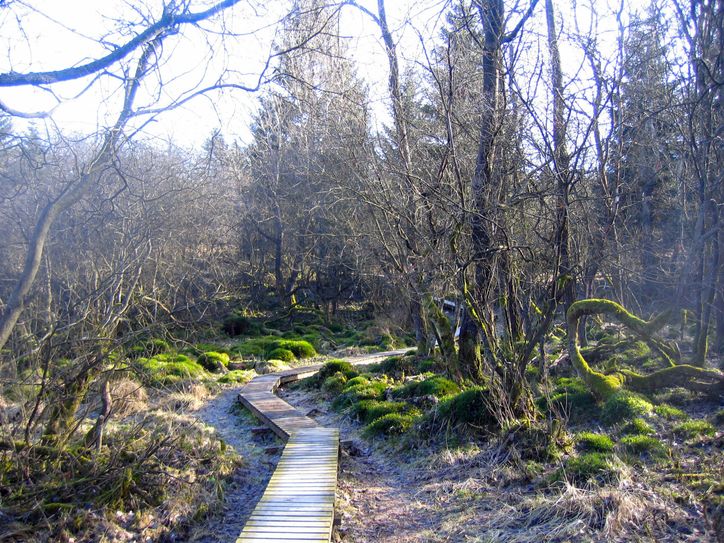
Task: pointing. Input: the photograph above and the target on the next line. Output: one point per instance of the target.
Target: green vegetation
(237, 377)
(670, 412)
(643, 445)
(239, 325)
(432, 386)
(167, 368)
(591, 467)
(572, 397)
(390, 424)
(333, 367)
(590, 441)
(334, 384)
(694, 428)
(274, 347)
(150, 347)
(285, 355)
(624, 406)
(469, 408)
(270, 366)
(373, 390)
(637, 426)
(211, 360)
(369, 410)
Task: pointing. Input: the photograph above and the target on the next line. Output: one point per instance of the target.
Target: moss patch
(694, 428)
(390, 424)
(212, 359)
(643, 445)
(237, 377)
(637, 427)
(470, 407)
(434, 386)
(369, 410)
(168, 368)
(371, 391)
(592, 467)
(591, 441)
(625, 406)
(669, 412)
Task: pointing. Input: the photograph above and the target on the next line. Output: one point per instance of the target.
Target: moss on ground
(591, 441)
(432, 386)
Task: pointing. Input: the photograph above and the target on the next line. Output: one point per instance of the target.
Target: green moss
(334, 384)
(359, 380)
(211, 360)
(390, 424)
(335, 366)
(643, 445)
(590, 441)
(470, 407)
(694, 428)
(369, 410)
(669, 412)
(570, 396)
(625, 406)
(591, 467)
(434, 386)
(272, 365)
(397, 365)
(284, 355)
(637, 426)
(300, 348)
(370, 391)
(237, 377)
(170, 368)
(537, 440)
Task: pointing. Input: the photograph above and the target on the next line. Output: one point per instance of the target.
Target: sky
(52, 34)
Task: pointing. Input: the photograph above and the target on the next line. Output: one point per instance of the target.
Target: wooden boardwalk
(298, 503)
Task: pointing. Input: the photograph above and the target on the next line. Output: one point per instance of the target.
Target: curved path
(298, 503)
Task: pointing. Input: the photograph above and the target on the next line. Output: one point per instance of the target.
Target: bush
(669, 412)
(370, 391)
(369, 410)
(270, 366)
(625, 406)
(211, 360)
(170, 368)
(590, 441)
(643, 445)
(592, 467)
(470, 407)
(237, 377)
(694, 428)
(334, 384)
(284, 355)
(239, 325)
(390, 424)
(434, 386)
(638, 427)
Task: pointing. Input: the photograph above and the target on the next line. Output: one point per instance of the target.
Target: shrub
(638, 427)
(284, 355)
(369, 410)
(239, 325)
(370, 391)
(334, 384)
(625, 406)
(470, 407)
(669, 412)
(170, 368)
(270, 366)
(641, 444)
(694, 428)
(390, 424)
(590, 441)
(237, 377)
(592, 467)
(433, 386)
(211, 360)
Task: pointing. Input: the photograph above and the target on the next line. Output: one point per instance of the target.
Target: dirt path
(233, 425)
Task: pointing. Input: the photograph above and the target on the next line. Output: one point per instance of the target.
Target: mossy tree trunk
(604, 385)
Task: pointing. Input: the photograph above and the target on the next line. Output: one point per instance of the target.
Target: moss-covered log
(604, 385)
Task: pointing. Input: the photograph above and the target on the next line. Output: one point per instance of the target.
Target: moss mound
(170, 368)
(625, 406)
(591, 441)
(369, 410)
(336, 366)
(150, 348)
(694, 428)
(640, 445)
(212, 359)
(637, 427)
(334, 384)
(592, 467)
(434, 386)
(371, 391)
(237, 377)
(669, 412)
(470, 407)
(397, 366)
(284, 355)
(270, 366)
(389, 425)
